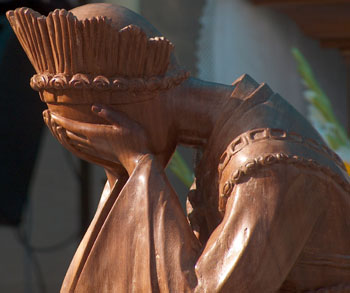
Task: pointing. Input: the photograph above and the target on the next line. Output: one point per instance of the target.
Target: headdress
(91, 55)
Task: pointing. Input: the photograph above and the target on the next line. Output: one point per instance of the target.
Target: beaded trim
(260, 134)
(278, 158)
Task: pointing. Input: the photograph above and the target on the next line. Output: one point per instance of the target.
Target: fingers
(114, 117)
(77, 138)
(62, 135)
(50, 124)
(80, 150)
(59, 131)
(46, 116)
(71, 141)
(76, 143)
(85, 129)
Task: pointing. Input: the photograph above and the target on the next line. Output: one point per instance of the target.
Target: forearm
(176, 246)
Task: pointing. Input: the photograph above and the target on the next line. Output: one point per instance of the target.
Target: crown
(70, 54)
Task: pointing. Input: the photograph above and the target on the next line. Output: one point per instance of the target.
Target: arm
(268, 219)
(142, 241)
(145, 243)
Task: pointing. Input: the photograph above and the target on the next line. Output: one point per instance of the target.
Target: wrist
(139, 159)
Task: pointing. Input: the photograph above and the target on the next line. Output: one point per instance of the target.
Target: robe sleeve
(268, 219)
(145, 243)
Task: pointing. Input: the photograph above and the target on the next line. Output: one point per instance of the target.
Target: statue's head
(100, 53)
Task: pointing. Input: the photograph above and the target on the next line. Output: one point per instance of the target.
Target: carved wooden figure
(270, 207)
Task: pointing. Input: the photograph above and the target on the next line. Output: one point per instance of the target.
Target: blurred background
(48, 197)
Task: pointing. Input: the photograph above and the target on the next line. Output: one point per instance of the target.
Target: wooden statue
(270, 207)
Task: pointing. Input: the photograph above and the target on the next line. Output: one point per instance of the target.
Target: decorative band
(80, 81)
(271, 159)
(260, 134)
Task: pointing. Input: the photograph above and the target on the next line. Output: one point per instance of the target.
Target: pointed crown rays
(60, 44)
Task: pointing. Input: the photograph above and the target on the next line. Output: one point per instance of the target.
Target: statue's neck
(196, 105)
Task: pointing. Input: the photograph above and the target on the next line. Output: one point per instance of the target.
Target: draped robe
(272, 214)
